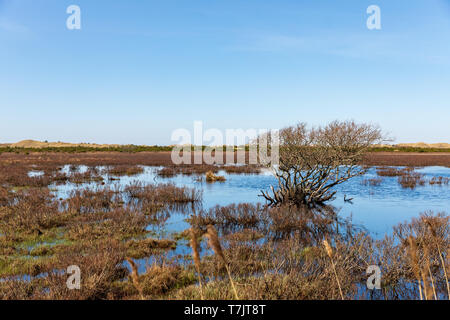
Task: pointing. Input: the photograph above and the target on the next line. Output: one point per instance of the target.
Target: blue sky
(137, 70)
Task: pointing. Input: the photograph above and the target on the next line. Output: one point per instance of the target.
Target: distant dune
(422, 145)
(39, 144)
(425, 145)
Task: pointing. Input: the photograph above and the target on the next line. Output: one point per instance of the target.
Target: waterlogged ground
(375, 208)
(42, 236)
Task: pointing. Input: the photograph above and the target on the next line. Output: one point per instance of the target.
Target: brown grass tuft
(135, 277)
(215, 245)
(330, 255)
(412, 251)
(211, 177)
(196, 257)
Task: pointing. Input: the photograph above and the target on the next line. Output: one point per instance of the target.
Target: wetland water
(376, 208)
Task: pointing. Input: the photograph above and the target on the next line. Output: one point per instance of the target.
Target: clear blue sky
(137, 69)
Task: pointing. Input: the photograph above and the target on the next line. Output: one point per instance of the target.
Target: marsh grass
(260, 254)
(134, 276)
(373, 182)
(393, 172)
(242, 169)
(95, 228)
(162, 193)
(257, 252)
(406, 177)
(187, 170)
(196, 257)
(281, 263)
(215, 245)
(329, 251)
(211, 177)
(439, 181)
(124, 170)
(411, 180)
(139, 249)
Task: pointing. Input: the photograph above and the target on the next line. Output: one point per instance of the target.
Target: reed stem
(330, 255)
(196, 257)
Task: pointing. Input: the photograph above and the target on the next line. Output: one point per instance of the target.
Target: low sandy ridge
(40, 144)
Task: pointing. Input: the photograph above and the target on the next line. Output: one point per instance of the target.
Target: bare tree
(315, 160)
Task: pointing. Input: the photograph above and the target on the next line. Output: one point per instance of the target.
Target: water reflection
(377, 208)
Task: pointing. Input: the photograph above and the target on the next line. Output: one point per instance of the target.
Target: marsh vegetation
(313, 161)
(140, 228)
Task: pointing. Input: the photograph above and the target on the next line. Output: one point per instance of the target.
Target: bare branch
(314, 161)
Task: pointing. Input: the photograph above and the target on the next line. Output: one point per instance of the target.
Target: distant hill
(425, 145)
(39, 145)
(33, 144)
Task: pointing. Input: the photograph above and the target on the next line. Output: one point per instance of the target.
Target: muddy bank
(164, 158)
(407, 159)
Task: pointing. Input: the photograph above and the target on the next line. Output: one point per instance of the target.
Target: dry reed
(427, 255)
(215, 245)
(135, 277)
(196, 257)
(444, 267)
(412, 251)
(330, 255)
(211, 177)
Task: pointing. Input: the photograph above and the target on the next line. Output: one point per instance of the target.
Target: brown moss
(139, 249)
